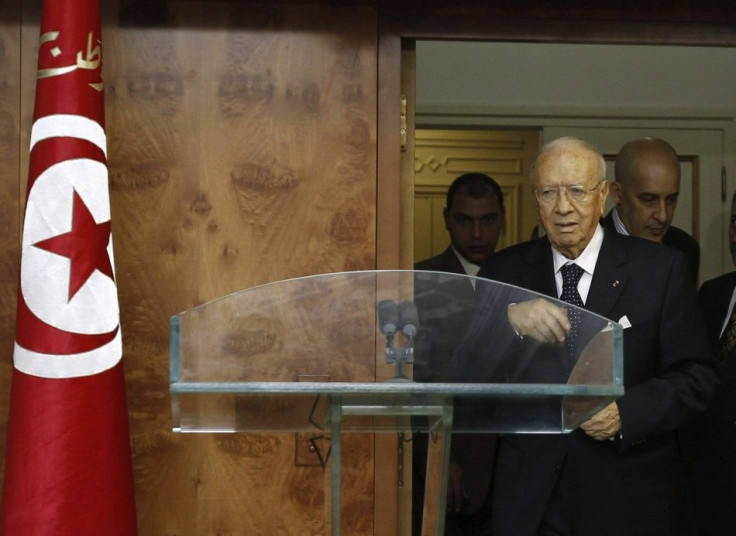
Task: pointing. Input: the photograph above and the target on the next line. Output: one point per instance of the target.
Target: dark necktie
(728, 339)
(571, 274)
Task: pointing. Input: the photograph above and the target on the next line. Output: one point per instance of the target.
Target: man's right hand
(539, 319)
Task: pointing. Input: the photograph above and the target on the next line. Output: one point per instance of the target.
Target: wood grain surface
(242, 151)
(10, 197)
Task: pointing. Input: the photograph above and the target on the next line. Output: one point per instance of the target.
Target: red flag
(68, 461)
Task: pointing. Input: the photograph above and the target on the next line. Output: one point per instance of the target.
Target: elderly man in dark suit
(620, 473)
(645, 191)
(714, 467)
(474, 217)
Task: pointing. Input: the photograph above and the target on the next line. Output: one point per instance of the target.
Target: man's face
(646, 200)
(569, 223)
(475, 225)
(732, 234)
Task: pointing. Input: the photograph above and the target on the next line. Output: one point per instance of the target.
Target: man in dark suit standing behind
(714, 468)
(620, 473)
(645, 191)
(474, 218)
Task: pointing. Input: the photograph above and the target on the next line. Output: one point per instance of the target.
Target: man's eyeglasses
(577, 193)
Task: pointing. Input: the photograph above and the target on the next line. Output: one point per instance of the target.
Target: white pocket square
(624, 321)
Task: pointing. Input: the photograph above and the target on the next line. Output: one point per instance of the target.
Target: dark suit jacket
(632, 485)
(445, 308)
(715, 297)
(446, 261)
(674, 238)
(445, 311)
(714, 468)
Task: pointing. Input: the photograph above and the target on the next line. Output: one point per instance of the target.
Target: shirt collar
(618, 224)
(469, 267)
(587, 259)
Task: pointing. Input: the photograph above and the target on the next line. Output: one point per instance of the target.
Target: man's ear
(614, 189)
(444, 217)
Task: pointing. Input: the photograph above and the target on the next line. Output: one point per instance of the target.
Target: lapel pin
(616, 283)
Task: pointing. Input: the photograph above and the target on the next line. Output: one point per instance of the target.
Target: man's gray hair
(568, 141)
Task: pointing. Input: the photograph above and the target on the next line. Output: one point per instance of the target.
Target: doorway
(607, 106)
(398, 37)
(441, 155)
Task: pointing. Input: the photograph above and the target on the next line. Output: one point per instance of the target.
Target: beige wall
(564, 78)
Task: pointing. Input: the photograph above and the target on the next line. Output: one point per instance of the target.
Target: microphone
(409, 319)
(393, 318)
(388, 316)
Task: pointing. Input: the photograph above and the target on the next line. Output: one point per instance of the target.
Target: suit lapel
(541, 272)
(724, 297)
(715, 308)
(609, 278)
(451, 263)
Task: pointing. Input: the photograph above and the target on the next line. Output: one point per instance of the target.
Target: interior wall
(242, 147)
(583, 78)
(10, 51)
(242, 150)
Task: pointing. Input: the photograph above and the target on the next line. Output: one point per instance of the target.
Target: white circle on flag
(45, 275)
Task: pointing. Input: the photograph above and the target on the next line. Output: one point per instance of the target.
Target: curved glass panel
(385, 350)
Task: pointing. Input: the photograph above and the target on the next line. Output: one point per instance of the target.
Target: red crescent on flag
(51, 151)
(37, 336)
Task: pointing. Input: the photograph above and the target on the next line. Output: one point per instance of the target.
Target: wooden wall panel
(242, 151)
(10, 52)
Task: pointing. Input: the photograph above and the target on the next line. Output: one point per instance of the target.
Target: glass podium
(386, 351)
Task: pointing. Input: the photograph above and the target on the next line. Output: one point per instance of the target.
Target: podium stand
(385, 351)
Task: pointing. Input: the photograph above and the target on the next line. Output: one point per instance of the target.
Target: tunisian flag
(68, 462)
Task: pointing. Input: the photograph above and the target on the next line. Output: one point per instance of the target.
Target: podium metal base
(398, 416)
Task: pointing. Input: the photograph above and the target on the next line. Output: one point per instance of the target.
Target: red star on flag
(85, 246)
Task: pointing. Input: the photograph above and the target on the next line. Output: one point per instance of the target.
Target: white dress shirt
(586, 260)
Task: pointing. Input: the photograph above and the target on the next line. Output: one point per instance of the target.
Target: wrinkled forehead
(566, 166)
